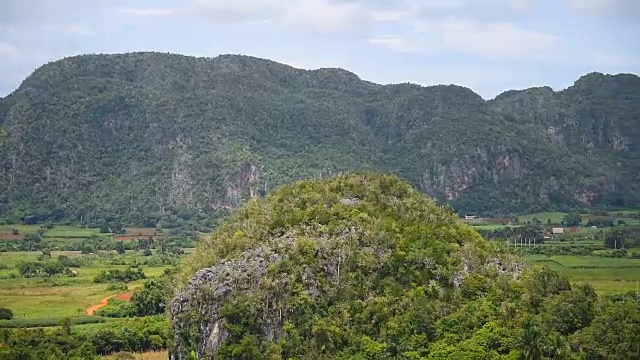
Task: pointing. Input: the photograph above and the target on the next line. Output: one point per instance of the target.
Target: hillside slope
(365, 267)
(148, 137)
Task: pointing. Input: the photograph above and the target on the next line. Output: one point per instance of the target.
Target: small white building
(557, 231)
(470, 217)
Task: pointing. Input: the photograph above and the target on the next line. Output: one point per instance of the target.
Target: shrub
(6, 314)
(117, 309)
(48, 322)
(119, 275)
(117, 286)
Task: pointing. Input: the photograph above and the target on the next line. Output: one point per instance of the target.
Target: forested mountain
(148, 137)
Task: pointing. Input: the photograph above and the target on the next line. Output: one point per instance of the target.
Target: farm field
(84, 254)
(579, 253)
(60, 295)
(606, 275)
(555, 217)
(628, 216)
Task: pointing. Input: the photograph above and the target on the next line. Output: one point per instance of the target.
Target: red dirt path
(126, 296)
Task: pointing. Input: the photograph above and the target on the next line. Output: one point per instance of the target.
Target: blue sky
(487, 45)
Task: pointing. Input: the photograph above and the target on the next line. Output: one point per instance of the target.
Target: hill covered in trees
(365, 267)
(149, 137)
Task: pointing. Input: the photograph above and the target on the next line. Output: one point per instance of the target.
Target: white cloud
(9, 50)
(590, 5)
(389, 15)
(497, 41)
(324, 16)
(618, 60)
(605, 7)
(151, 11)
(77, 29)
(395, 43)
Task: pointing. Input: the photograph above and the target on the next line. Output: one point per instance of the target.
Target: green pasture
(71, 232)
(556, 217)
(588, 261)
(23, 229)
(628, 215)
(606, 275)
(59, 295)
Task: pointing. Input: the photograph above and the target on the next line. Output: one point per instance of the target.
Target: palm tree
(557, 348)
(531, 341)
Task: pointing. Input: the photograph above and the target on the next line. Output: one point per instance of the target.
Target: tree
(531, 341)
(33, 237)
(572, 219)
(6, 314)
(616, 238)
(119, 247)
(65, 324)
(149, 299)
(104, 229)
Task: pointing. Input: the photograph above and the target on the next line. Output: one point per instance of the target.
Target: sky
(487, 45)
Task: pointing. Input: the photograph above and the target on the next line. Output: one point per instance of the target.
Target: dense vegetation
(157, 139)
(365, 267)
(66, 342)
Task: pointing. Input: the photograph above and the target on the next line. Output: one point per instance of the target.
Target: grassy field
(70, 232)
(556, 217)
(60, 295)
(606, 275)
(629, 216)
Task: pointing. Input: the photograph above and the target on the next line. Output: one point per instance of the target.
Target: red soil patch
(104, 302)
(124, 296)
(11, 237)
(93, 308)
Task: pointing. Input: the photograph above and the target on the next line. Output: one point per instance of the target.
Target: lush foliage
(48, 322)
(619, 238)
(150, 299)
(117, 275)
(69, 343)
(157, 139)
(373, 270)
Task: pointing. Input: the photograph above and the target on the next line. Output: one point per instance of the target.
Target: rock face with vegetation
(151, 137)
(365, 267)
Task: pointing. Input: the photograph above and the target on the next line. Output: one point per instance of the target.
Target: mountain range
(148, 137)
